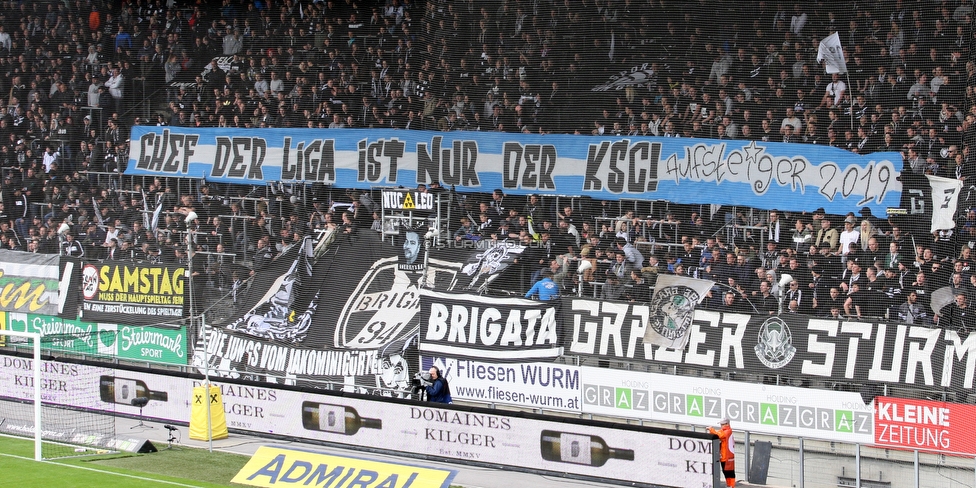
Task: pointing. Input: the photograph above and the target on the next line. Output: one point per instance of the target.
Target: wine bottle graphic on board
(338, 419)
(589, 450)
(122, 390)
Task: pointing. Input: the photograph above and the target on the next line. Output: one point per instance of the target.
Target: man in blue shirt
(545, 288)
(438, 391)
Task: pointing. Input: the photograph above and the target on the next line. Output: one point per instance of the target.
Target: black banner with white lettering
(791, 345)
(347, 316)
(497, 329)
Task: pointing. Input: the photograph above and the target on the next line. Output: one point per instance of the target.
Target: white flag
(673, 308)
(832, 54)
(613, 44)
(945, 199)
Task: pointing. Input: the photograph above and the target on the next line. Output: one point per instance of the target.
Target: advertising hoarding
(926, 425)
(144, 344)
(546, 386)
(558, 446)
(768, 409)
(145, 294)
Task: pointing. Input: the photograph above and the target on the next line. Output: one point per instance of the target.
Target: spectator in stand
(477, 62)
(848, 238)
(957, 316)
(71, 247)
(545, 288)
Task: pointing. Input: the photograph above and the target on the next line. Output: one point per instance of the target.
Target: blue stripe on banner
(764, 175)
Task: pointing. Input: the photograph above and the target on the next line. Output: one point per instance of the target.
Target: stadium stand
(80, 74)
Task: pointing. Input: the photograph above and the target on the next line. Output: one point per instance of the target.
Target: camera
(420, 381)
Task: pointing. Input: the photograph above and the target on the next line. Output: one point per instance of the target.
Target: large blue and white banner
(764, 175)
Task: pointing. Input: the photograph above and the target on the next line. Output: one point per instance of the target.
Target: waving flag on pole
(150, 216)
(945, 201)
(831, 54)
(672, 308)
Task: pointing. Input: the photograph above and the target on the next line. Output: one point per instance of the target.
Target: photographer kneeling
(438, 391)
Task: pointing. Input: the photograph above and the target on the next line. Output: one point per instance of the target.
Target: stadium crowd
(79, 74)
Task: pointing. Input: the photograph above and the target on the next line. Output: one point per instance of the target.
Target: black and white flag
(945, 199)
(831, 54)
(673, 308)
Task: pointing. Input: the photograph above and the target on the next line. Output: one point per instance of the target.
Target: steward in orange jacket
(727, 457)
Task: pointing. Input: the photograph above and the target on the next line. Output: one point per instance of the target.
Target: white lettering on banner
(751, 164)
(133, 336)
(913, 414)
(860, 330)
(408, 200)
(532, 385)
(126, 309)
(959, 350)
(923, 424)
(55, 326)
(914, 437)
(843, 350)
(617, 329)
(332, 363)
(891, 353)
(290, 360)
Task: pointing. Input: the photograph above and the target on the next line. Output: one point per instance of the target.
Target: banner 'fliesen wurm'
(144, 294)
(793, 176)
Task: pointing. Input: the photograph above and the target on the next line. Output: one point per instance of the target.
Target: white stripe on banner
(522, 354)
(65, 283)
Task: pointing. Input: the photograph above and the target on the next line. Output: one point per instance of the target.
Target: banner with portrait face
(412, 249)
